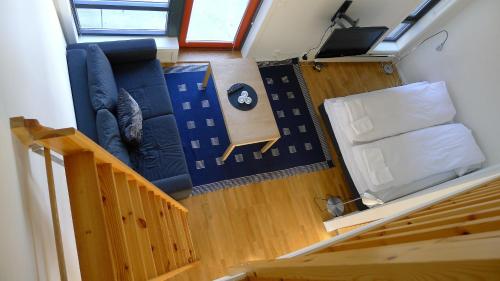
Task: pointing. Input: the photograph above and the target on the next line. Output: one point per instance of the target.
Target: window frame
(412, 20)
(246, 23)
(119, 5)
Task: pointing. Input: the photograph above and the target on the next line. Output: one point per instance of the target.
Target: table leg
(268, 145)
(228, 151)
(207, 76)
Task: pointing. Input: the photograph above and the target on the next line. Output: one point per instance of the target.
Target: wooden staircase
(457, 238)
(125, 227)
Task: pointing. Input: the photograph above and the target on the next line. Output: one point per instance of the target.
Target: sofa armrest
(179, 187)
(124, 51)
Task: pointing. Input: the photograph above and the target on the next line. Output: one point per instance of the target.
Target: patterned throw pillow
(129, 118)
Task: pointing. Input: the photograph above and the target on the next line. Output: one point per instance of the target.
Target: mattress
(375, 115)
(400, 160)
(333, 108)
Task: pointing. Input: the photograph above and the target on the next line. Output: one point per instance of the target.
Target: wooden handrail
(69, 140)
(126, 228)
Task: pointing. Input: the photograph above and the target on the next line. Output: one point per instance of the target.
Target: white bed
(435, 159)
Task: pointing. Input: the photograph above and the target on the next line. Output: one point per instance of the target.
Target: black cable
(318, 45)
(438, 48)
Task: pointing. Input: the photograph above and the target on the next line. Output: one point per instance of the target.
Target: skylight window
(423, 8)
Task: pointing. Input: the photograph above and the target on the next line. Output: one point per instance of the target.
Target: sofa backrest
(84, 112)
(124, 51)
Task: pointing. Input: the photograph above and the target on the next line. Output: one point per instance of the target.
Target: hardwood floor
(272, 218)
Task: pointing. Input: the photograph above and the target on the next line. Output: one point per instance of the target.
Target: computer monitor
(350, 41)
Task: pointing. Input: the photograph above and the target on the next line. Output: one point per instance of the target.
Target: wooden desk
(243, 127)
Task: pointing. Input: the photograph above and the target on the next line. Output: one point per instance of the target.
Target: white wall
(287, 28)
(65, 15)
(34, 83)
(470, 65)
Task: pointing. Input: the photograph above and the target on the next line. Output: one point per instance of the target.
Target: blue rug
(302, 147)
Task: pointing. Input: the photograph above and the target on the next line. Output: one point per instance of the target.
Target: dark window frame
(119, 5)
(412, 20)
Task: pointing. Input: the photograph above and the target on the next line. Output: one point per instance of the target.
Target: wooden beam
(455, 205)
(187, 229)
(181, 235)
(432, 223)
(172, 238)
(162, 247)
(487, 185)
(92, 242)
(142, 230)
(492, 186)
(114, 225)
(474, 195)
(445, 213)
(175, 272)
(470, 196)
(154, 234)
(55, 215)
(463, 228)
(166, 237)
(452, 258)
(130, 226)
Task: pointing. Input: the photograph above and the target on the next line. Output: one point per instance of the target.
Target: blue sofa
(159, 157)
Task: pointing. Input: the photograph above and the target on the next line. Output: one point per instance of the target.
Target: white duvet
(406, 158)
(389, 112)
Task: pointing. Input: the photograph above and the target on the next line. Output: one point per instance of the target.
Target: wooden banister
(456, 238)
(69, 141)
(125, 227)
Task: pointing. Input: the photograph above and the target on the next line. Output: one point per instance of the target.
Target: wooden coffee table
(243, 127)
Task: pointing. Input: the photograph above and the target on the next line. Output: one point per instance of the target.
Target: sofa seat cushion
(102, 85)
(160, 153)
(146, 84)
(109, 137)
(129, 118)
